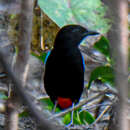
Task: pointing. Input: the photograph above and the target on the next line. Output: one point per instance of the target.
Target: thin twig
(95, 106)
(114, 92)
(85, 101)
(43, 97)
(101, 115)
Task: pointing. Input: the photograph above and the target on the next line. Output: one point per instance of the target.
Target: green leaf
(89, 13)
(67, 118)
(42, 57)
(35, 55)
(103, 46)
(3, 96)
(79, 118)
(85, 116)
(24, 114)
(104, 73)
(48, 104)
(76, 119)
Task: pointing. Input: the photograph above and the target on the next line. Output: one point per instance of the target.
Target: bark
(118, 37)
(20, 65)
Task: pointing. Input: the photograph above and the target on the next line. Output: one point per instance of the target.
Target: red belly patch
(64, 102)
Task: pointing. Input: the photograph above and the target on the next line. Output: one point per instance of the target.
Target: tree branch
(118, 37)
(34, 112)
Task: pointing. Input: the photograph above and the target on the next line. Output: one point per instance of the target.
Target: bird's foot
(71, 124)
(54, 109)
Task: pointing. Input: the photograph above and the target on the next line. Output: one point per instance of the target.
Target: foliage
(48, 104)
(41, 57)
(89, 13)
(87, 116)
(103, 46)
(78, 117)
(104, 73)
(24, 114)
(3, 96)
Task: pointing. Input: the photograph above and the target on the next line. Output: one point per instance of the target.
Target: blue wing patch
(83, 62)
(48, 53)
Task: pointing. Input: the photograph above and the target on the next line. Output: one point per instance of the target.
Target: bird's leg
(72, 116)
(54, 109)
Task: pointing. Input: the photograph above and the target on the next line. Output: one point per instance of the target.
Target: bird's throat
(64, 102)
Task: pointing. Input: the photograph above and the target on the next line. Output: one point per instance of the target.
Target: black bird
(64, 70)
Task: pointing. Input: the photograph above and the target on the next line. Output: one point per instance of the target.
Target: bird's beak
(91, 33)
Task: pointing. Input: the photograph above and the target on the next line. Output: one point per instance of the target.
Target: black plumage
(64, 70)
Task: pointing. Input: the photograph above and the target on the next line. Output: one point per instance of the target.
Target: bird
(64, 68)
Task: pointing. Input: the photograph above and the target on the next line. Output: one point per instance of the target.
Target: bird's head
(71, 36)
